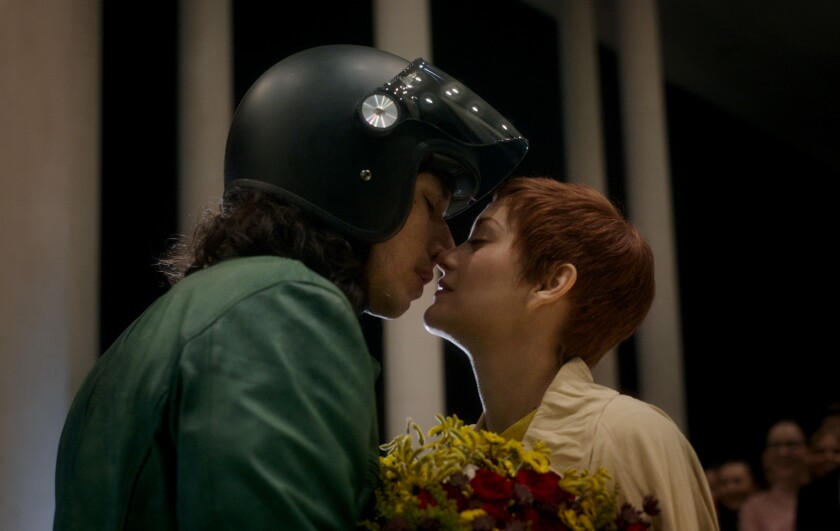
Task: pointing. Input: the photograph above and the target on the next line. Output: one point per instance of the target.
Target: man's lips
(425, 278)
(443, 286)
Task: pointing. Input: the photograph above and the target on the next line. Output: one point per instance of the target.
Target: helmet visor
(423, 92)
(481, 144)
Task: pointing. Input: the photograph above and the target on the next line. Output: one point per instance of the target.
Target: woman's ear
(555, 286)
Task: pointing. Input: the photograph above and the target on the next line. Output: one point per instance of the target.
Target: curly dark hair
(254, 223)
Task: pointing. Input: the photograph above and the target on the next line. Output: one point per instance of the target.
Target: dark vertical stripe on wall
(507, 53)
(628, 369)
(139, 156)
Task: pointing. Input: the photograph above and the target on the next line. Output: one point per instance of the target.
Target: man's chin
(388, 311)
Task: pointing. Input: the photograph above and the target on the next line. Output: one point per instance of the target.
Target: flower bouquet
(469, 479)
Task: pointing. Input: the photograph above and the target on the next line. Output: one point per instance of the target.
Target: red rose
(545, 487)
(490, 486)
(498, 511)
(426, 499)
(530, 515)
(543, 520)
(455, 493)
(548, 524)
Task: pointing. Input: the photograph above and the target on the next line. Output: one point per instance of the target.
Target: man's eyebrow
(445, 190)
(440, 192)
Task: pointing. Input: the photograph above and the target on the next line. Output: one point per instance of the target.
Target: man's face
(400, 267)
(736, 483)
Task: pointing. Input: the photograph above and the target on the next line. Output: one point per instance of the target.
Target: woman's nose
(445, 260)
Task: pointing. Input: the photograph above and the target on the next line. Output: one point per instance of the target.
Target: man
(244, 397)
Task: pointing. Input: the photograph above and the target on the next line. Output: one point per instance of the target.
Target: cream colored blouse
(588, 426)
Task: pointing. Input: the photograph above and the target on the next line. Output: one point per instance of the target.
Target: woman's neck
(512, 379)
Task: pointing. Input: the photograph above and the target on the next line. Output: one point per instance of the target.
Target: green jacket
(242, 399)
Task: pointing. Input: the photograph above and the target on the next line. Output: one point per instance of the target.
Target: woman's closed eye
(476, 242)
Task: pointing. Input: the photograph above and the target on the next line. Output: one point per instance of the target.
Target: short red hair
(558, 223)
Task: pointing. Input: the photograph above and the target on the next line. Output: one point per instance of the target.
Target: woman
(784, 463)
(551, 278)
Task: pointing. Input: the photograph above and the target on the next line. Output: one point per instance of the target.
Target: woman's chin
(433, 322)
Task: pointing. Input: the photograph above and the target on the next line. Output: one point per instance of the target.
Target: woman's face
(480, 296)
(400, 267)
(785, 453)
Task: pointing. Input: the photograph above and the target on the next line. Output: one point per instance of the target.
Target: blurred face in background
(785, 454)
(824, 453)
(735, 483)
(713, 478)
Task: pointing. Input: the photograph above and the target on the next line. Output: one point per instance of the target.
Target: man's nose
(442, 241)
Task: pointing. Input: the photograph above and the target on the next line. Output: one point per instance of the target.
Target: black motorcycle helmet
(343, 130)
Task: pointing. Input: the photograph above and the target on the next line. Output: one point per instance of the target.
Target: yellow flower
(459, 474)
(471, 514)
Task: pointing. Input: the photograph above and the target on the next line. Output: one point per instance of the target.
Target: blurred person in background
(712, 472)
(736, 482)
(824, 450)
(785, 469)
(831, 415)
(818, 504)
